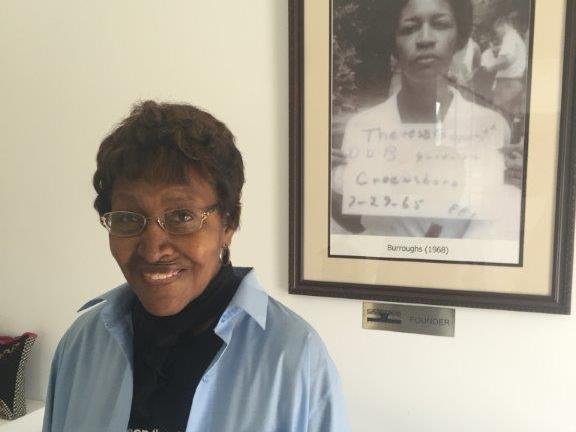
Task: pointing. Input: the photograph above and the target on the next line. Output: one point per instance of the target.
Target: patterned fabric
(14, 354)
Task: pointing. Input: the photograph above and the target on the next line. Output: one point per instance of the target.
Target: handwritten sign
(420, 171)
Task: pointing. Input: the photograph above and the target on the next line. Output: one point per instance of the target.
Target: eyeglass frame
(159, 220)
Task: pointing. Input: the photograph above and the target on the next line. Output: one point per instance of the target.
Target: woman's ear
(228, 230)
(228, 234)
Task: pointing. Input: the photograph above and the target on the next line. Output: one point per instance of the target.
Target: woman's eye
(181, 216)
(406, 29)
(442, 24)
(128, 218)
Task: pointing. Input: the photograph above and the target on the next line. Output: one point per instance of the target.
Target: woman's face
(168, 271)
(426, 39)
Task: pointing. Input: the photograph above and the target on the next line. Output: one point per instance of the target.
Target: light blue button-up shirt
(273, 372)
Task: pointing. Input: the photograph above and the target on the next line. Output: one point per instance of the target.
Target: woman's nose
(155, 243)
(426, 36)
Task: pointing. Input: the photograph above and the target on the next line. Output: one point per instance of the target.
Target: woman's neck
(424, 103)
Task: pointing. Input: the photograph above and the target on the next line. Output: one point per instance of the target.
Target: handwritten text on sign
(415, 171)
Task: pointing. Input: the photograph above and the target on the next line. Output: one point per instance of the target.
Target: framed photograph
(431, 151)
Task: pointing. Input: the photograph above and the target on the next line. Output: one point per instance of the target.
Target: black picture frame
(557, 300)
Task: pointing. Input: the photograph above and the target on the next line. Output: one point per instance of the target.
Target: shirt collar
(109, 297)
(250, 298)
(450, 115)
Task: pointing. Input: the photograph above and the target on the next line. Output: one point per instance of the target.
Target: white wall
(70, 69)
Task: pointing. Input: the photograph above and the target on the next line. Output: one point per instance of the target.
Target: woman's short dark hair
(160, 142)
(463, 15)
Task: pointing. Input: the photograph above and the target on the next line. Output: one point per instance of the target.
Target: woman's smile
(426, 58)
(161, 278)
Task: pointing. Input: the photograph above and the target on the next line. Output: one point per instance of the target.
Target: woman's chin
(164, 300)
(427, 76)
(162, 307)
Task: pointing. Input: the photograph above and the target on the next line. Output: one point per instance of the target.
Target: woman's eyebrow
(179, 200)
(418, 18)
(410, 20)
(442, 15)
(126, 196)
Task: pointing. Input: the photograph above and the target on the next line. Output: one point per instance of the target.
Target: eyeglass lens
(127, 224)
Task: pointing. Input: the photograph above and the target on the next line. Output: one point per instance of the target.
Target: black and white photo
(429, 125)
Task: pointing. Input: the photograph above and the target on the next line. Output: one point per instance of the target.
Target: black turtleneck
(172, 353)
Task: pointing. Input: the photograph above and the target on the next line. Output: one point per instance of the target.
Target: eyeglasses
(179, 222)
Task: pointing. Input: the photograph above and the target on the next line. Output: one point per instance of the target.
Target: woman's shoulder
(87, 320)
(479, 118)
(89, 325)
(275, 319)
(465, 106)
(384, 112)
(80, 337)
(288, 329)
(282, 319)
(292, 337)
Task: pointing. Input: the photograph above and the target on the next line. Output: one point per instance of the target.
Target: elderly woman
(426, 36)
(189, 343)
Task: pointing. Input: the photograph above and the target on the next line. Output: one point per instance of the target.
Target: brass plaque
(427, 320)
